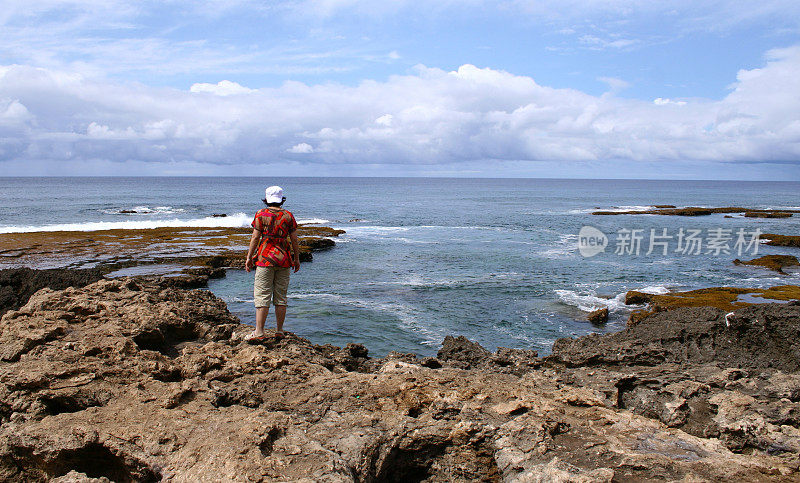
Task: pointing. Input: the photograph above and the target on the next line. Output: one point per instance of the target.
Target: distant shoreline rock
(671, 210)
(772, 262)
(781, 240)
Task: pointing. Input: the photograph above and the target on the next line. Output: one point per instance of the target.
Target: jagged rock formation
(18, 284)
(136, 381)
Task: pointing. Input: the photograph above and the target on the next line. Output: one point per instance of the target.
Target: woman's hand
(248, 264)
(296, 264)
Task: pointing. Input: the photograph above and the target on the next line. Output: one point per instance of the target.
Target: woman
(269, 252)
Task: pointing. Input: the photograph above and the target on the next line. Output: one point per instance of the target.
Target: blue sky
(438, 88)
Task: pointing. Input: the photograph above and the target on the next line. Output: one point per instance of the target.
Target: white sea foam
(232, 221)
(588, 300)
(783, 208)
(418, 281)
(312, 221)
(145, 210)
(654, 289)
(620, 208)
(567, 247)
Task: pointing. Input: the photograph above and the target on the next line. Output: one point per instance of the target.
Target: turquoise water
(495, 260)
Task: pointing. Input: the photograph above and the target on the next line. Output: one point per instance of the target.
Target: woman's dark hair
(274, 205)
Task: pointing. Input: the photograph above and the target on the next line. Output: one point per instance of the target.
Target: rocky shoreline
(141, 380)
(187, 256)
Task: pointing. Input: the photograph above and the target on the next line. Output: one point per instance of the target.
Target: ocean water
(496, 260)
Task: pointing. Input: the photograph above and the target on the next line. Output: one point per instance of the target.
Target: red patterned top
(275, 226)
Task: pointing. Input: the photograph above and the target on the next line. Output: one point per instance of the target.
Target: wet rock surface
(132, 380)
(781, 240)
(722, 298)
(599, 316)
(772, 262)
(116, 249)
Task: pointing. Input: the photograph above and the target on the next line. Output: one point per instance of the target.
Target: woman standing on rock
(272, 259)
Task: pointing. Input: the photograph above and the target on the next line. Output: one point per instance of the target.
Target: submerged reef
(190, 255)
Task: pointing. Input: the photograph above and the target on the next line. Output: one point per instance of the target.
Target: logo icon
(591, 241)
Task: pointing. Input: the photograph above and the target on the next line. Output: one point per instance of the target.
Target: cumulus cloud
(385, 120)
(302, 148)
(430, 116)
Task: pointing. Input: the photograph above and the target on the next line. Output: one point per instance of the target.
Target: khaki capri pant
(271, 285)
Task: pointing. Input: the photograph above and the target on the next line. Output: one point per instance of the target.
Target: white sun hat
(274, 194)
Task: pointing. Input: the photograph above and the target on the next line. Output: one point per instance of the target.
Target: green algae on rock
(772, 262)
(113, 249)
(722, 298)
(781, 240)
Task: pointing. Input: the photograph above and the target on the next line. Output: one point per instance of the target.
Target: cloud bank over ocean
(426, 117)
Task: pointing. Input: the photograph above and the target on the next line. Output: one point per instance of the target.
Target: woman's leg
(261, 318)
(280, 288)
(280, 316)
(262, 295)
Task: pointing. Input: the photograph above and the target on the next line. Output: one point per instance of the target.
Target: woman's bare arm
(254, 238)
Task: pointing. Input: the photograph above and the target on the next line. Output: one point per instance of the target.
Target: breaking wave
(236, 220)
(588, 301)
(233, 221)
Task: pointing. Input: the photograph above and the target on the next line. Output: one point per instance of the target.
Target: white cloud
(429, 117)
(222, 88)
(597, 43)
(385, 120)
(302, 148)
(661, 101)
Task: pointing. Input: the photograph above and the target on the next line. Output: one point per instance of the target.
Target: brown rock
(146, 383)
(781, 240)
(758, 337)
(634, 297)
(184, 246)
(698, 211)
(18, 284)
(758, 214)
(599, 316)
(317, 243)
(772, 262)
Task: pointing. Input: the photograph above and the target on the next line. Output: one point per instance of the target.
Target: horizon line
(399, 177)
